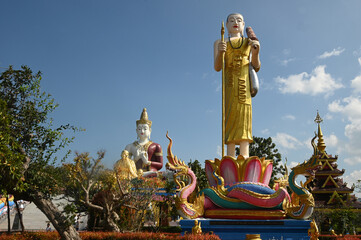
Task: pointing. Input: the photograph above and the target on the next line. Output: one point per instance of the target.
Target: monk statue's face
(235, 23)
(143, 131)
(125, 154)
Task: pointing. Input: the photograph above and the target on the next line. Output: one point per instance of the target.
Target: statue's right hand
(222, 46)
(138, 154)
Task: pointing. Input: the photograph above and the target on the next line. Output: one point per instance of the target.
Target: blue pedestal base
(286, 229)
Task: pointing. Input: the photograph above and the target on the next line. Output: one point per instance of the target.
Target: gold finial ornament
(144, 118)
(318, 119)
(320, 143)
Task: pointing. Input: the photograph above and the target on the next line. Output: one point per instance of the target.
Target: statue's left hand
(255, 46)
(144, 156)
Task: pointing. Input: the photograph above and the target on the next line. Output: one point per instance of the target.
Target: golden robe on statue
(238, 104)
(125, 167)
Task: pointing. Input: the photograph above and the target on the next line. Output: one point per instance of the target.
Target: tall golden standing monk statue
(237, 53)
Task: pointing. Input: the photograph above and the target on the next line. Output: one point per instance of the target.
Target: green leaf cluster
(10, 158)
(28, 139)
(200, 172)
(341, 220)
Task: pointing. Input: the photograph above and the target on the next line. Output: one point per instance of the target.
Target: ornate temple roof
(334, 172)
(331, 190)
(328, 188)
(329, 158)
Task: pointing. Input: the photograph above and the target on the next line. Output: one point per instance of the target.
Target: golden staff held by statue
(223, 93)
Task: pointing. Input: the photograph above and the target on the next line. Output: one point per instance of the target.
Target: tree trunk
(110, 225)
(20, 215)
(8, 208)
(59, 221)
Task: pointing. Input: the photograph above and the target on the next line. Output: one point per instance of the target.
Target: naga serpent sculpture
(185, 209)
(239, 189)
(303, 202)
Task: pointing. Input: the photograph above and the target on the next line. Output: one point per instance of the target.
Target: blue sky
(104, 61)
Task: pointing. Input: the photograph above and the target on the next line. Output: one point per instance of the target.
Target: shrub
(109, 236)
(31, 236)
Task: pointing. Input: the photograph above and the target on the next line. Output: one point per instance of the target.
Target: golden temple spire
(320, 143)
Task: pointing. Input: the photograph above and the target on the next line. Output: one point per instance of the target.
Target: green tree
(343, 220)
(264, 147)
(200, 172)
(28, 142)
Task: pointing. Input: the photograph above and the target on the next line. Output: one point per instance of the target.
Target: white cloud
(331, 140)
(289, 117)
(350, 107)
(328, 116)
(286, 141)
(286, 56)
(353, 133)
(356, 83)
(357, 52)
(286, 61)
(291, 165)
(294, 164)
(218, 84)
(317, 82)
(334, 52)
(219, 151)
(286, 51)
(353, 161)
(352, 179)
(308, 144)
(265, 131)
(359, 60)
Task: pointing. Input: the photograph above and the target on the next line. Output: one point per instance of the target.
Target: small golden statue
(197, 227)
(125, 167)
(313, 231)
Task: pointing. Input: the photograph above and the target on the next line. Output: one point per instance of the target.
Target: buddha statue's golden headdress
(144, 118)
